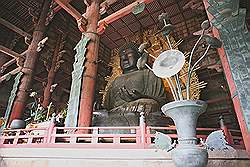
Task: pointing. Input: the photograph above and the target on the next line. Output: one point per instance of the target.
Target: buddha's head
(128, 57)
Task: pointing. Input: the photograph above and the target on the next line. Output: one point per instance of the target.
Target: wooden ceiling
(114, 36)
(22, 14)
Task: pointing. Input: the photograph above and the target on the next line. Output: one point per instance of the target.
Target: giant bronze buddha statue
(132, 92)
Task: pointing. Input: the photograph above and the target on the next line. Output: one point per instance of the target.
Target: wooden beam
(9, 63)
(70, 9)
(58, 7)
(14, 28)
(119, 14)
(11, 53)
(104, 5)
(122, 12)
(81, 20)
(13, 72)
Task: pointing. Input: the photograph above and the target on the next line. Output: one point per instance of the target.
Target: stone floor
(77, 157)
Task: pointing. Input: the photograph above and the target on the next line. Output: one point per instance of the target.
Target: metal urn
(185, 114)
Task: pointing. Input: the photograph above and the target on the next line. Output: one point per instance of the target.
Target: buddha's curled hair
(130, 45)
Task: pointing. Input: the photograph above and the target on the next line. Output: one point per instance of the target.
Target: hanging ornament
(138, 8)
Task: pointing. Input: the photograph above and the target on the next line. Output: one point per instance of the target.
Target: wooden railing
(93, 137)
(202, 133)
(24, 136)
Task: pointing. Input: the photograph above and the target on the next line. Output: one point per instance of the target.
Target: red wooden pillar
(29, 64)
(51, 74)
(90, 73)
(232, 86)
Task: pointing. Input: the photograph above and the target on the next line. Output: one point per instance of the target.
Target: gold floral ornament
(116, 71)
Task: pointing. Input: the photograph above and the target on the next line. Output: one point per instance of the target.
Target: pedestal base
(118, 119)
(190, 156)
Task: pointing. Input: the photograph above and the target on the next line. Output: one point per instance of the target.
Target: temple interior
(52, 72)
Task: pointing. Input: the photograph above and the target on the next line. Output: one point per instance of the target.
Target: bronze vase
(185, 114)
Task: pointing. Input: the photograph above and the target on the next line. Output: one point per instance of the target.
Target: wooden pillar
(51, 74)
(90, 73)
(233, 57)
(29, 64)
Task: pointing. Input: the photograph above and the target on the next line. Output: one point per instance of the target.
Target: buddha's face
(128, 60)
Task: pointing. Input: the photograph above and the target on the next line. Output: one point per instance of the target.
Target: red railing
(24, 136)
(92, 137)
(202, 133)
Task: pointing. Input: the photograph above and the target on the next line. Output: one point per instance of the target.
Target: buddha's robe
(143, 81)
